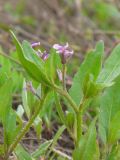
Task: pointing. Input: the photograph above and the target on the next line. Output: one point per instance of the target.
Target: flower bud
(35, 45)
(44, 55)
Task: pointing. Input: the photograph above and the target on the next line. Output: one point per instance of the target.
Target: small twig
(62, 154)
(29, 138)
(78, 4)
(66, 150)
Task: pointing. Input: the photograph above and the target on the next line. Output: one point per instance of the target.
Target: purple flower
(64, 51)
(35, 45)
(44, 55)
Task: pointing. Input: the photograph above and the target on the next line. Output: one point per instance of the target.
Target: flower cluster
(64, 51)
(43, 55)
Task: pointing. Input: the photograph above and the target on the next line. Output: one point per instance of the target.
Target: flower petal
(35, 44)
(57, 46)
(45, 55)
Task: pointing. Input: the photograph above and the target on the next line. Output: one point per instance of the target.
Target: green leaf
(25, 100)
(10, 123)
(20, 111)
(70, 119)
(29, 62)
(114, 129)
(48, 105)
(91, 88)
(30, 100)
(31, 55)
(5, 69)
(111, 67)
(52, 64)
(6, 114)
(91, 66)
(61, 158)
(5, 99)
(22, 154)
(8, 69)
(42, 149)
(1, 150)
(109, 107)
(38, 126)
(88, 148)
(59, 109)
(114, 154)
(57, 135)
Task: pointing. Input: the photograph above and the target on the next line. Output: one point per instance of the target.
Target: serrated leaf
(91, 65)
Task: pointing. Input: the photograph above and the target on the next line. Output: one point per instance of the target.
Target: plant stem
(78, 111)
(64, 76)
(79, 127)
(25, 129)
(79, 121)
(62, 116)
(67, 96)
